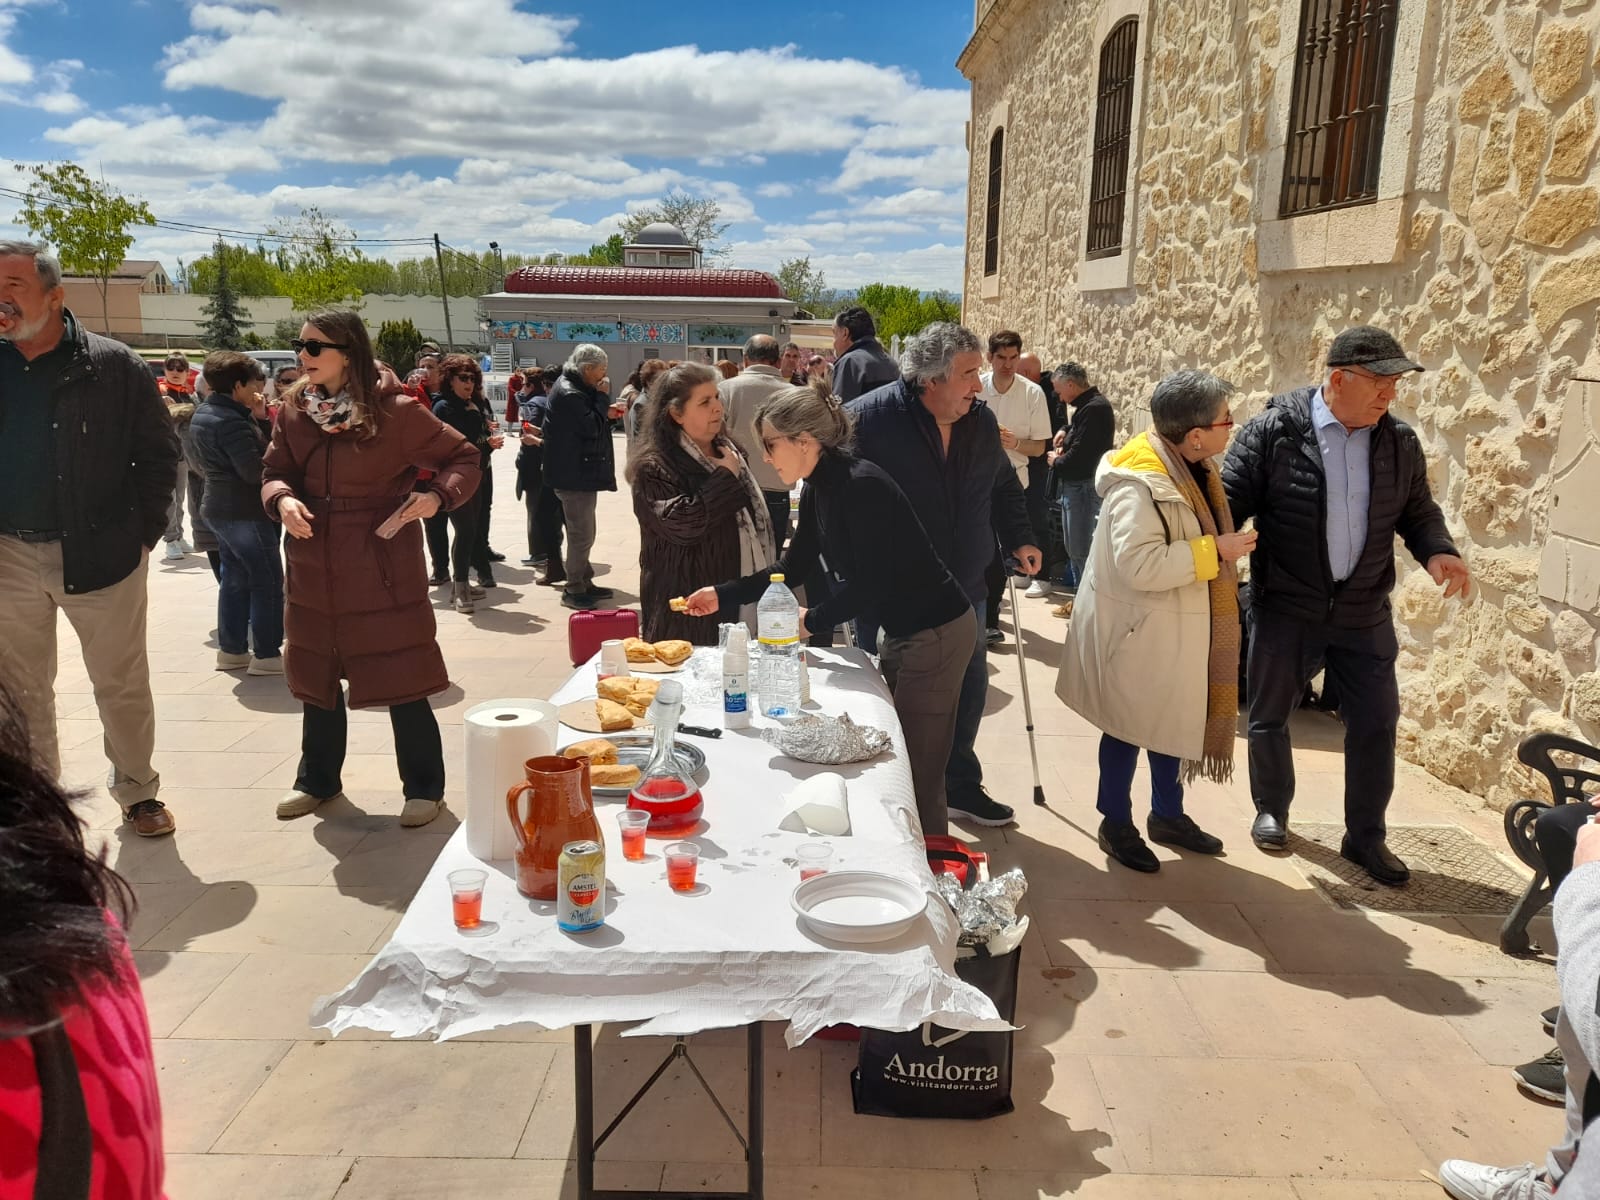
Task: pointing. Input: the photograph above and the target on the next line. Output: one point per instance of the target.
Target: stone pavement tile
(1541, 930)
(193, 706)
(825, 1183)
(1366, 1189)
(488, 1179)
(1148, 933)
(240, 917)
(221, 768)
(270, 996)
(73, 732)
(676, 1121)
(204, 1083)
(224, 810)
(174, 985)
(1465, 1110)
(1308, 940)
(1337, 1017)
(1060, 1126)
(277, 857)
(281, 734)
(159, 904)
(1268, 1117)
(1021, 1185)
(390, 857)
(189, 736)
(254, 1177)
(406, 1099)
(1079, 1010)
(1505, 1030)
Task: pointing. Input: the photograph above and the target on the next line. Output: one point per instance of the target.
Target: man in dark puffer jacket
(1330, 478)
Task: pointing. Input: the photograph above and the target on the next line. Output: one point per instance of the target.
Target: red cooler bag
(586, 630)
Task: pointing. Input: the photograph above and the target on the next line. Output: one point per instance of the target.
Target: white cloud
(48, 88)
(775, 190)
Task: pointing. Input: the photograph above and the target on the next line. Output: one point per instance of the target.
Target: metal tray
(635, 749)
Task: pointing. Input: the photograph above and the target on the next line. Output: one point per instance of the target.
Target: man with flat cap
(1330, 478)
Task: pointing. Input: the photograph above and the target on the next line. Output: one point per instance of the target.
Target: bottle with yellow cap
(778, 629)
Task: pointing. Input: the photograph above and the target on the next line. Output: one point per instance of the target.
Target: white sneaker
(1474, 1181)
(187, 548)
(1037, 589)
(175, 551)
(231, 662)
(265, 666)
(298, 804)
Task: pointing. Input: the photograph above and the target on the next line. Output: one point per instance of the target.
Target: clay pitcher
(560, 809)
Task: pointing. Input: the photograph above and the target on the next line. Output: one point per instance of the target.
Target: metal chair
(1568, 785)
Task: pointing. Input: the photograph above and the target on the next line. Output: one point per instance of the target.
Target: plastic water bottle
(736, 679)
(778, 620)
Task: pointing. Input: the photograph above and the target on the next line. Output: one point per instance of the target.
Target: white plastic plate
(858, 906)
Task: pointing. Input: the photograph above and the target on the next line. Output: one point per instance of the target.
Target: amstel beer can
(581, 887)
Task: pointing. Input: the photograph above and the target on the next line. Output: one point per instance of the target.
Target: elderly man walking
(944, 451)
(579, 463)
(88, 462)
(1330, 478)
(761, 379)
(1081, 446)
(862, 363)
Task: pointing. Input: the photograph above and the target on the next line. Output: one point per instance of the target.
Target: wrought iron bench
(1568, 785)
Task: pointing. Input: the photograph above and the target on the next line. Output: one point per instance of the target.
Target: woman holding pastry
(701, 513)
(854, 517)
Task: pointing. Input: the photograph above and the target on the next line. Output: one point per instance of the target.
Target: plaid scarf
(1222, 668)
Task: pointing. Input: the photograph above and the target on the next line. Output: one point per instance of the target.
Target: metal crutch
(1022, 669)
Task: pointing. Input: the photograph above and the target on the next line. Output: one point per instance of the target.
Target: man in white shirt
(1019, 405)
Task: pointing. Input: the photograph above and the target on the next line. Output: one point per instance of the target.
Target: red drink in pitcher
(673, 803)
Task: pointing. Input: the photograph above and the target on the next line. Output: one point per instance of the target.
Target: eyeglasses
(1228, 424)
(314, 347)
(767, 443)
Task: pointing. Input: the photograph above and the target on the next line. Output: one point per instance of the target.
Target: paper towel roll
(501, 736)
(818, 805)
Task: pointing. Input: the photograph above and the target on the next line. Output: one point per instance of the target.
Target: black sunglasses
(314, 347)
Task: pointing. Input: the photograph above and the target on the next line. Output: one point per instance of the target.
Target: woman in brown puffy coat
(344, 455)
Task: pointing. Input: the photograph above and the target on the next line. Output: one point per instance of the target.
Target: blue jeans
(1080, 509)
(250, 598)
(1117, 762)
(963, 773)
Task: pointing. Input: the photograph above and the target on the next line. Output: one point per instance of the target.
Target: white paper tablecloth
(732, 955)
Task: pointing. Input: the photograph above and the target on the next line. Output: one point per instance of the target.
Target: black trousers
(456, 541)
(436, 532)
(778, 513)
(1285, 652)
(485, 500)
(1556, 834)
(1038, 495)
(549, 523)
(418, 750)
(994, 577)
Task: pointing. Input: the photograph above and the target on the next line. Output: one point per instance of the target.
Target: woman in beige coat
(1152, 653)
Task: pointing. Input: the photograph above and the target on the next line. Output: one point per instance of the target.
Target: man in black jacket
(944, 451)
(88, 461)
(1081, 446)
(1330, 478)
(579, 464)
(862, 363)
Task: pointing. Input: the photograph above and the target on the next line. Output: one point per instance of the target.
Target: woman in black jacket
(227, 442)
(879, 559)
(461, 404)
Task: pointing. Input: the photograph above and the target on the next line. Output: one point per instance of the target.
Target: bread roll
(617, 688)
(612, 715)
(613, 775)
(598, 751)
(638, 650)
(673, 651)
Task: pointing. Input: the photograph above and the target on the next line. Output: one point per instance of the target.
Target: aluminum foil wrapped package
(831, 740)
(988, 908)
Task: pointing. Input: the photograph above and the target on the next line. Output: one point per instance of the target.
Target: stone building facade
(1477, 245)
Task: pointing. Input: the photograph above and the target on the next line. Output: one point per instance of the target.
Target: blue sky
(838, 136)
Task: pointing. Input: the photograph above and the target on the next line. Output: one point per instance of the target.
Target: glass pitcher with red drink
(665, 790)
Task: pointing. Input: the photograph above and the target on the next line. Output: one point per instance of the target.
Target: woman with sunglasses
(855, 518)
(461, 404)
(1152, 653)
(344, 456)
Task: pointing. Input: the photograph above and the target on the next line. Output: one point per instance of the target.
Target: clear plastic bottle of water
(778, 677)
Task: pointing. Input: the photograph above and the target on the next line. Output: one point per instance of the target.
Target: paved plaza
(1216, 1030)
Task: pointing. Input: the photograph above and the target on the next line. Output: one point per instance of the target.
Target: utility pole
(444, 292)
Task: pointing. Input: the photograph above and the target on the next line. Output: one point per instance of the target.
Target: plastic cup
(633, 822)
(613, 659)
(814, 858)
(466, 897)
(683, 859)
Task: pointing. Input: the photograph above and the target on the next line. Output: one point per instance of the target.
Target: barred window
(991, 226)
(1113, 135)
(1341, 97)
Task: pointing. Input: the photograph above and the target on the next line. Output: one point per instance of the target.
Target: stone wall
(1486, 264)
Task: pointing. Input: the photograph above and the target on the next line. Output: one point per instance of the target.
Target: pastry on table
(612, 715)
(673, 651)
(617, 688)
(644, 687)
(613, 774)
(638, 650)
(599, 751)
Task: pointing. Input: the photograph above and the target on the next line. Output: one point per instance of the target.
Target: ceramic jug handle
(513, 807)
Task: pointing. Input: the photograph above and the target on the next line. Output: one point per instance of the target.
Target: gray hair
(1073, 371)
(45, 264)
(1186, 400)
(797, 410)
(586, 355)
(763, 348)
(928, 355)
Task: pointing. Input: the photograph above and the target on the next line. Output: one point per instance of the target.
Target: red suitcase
(586, 630)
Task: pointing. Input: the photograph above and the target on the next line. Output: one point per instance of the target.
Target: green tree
(251, 272)
(398, 343)
(901, 311)
(804, 284)
(284, 331)
(602, 254)
(224, 317)
(87, 222)
(700, 218)
(319, 262)
(375, 276)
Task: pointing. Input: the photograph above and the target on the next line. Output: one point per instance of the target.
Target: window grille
(1341, 98)
(1113, 135)
(991, 227)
